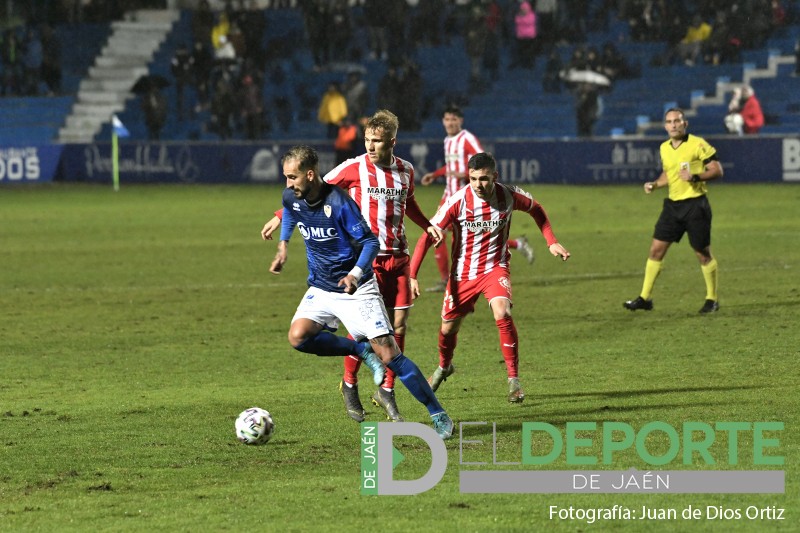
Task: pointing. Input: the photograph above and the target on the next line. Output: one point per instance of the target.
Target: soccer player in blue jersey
(340, 248)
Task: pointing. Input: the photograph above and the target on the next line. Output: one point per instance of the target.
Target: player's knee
(502, 314)
(449, 328)
(296, 338)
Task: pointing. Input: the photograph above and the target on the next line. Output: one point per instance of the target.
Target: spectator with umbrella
(153, 102)
(586, 84)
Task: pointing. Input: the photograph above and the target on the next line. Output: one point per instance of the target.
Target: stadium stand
(511, 106)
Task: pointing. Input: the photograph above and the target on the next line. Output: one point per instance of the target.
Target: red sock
(443, 260)
(512, 243)
(351, 365)
(509, 344)
(447, 348)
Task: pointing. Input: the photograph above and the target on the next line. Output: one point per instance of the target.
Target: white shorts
(362, 313)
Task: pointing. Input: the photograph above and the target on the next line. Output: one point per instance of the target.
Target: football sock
(447, 348)
(415, 382)
(351, 365)
(512, 243)
(509, 345)
(651, 271)
(710, 275)
(388, 380)
(326, 343)
(442, 260)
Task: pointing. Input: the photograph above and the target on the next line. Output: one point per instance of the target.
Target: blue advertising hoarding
(29, 163)
(609, 161)
(745, 160)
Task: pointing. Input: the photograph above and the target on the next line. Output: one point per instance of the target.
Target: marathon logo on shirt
(477, 226)
(387, 193)
(317, 234)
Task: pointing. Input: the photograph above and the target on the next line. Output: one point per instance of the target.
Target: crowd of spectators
(707, 32)
(230, 57)
(30, 61)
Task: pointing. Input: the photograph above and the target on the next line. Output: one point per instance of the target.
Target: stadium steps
(122, 61)
(722, 91)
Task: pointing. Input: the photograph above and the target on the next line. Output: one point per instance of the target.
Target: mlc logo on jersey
(317, 234)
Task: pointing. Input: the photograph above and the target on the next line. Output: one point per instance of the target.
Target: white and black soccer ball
(254, 426)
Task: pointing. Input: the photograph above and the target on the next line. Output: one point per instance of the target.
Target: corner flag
(118, 129)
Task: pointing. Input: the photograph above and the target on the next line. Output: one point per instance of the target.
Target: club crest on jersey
(327, 210)
(387, 193)
(477, 226)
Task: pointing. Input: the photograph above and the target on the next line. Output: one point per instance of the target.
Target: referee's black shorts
(692, 216)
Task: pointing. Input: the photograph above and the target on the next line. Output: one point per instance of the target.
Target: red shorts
(460, 296)
(392, 272)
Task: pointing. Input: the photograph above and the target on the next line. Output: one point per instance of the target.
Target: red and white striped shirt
(480, 228)
(457, 151)
(381, 193)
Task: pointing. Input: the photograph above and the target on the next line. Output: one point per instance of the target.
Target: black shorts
(692, 216)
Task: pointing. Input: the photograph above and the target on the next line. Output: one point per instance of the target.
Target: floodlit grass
(135, 326)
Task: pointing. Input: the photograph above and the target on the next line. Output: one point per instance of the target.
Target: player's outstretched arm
(559, 251)
(270, 227)
(280, 258)
(429, 178)
(420, 250)
(543, 221)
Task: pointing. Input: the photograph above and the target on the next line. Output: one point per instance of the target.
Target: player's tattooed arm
(280, 258)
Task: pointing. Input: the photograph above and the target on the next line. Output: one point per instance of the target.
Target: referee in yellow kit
(688, 162)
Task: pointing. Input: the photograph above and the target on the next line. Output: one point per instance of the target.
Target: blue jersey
(336, 234)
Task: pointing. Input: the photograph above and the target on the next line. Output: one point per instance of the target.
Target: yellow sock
(651, 271)
(710, 275)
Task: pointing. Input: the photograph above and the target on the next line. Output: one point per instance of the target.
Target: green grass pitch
(135, 326)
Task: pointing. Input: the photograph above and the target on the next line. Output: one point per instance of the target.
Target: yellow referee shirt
(695, 152)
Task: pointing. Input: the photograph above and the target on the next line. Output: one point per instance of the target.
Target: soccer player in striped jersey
(340, 249)
(480, 216)
(382, 185)
(459, 145)
(689, 162)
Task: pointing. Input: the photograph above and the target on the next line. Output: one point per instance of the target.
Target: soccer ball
(254, 426)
